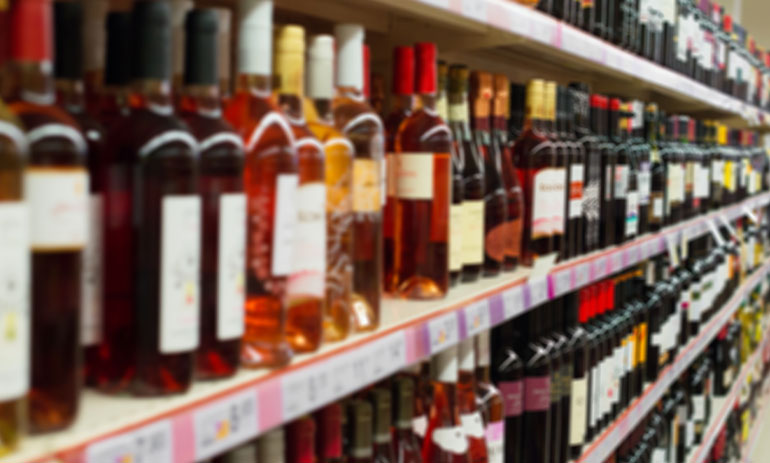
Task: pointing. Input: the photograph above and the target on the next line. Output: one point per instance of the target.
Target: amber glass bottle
(307, 280)
(543, 184)
(495, 203)
(270, 181)
(445, 440)
(501, 110)
(14, 282)
(422, 176)
(154, 208)
(56, 190)
(70, 96)
(339, 181)
(470, 166)
(355, 118)
(224, 204)
(401, 108)
(471, 417)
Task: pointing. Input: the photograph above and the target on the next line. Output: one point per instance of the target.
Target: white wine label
(621, 181)
(180, 273)
(451, 440)
(645, 186)
(14, 300)
(91, 314)
(548, 202)
(284, 223)
(58, 207)
(473, 232)
(473, 425)
(575, 191)
(632, 213)
(578, 410)
(420, 426)
(309, 253)
(231, 266)
(456, 227)
(414, 176)
(495, 434)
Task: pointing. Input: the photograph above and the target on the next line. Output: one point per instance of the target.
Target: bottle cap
(360, 425)
(350, 41)
(467, 362)
(31, 28)
(481, 89)
(255, 37)
(270, 446)
(320, 67)
(535, 95)
(615, 104)
(403, 396)
(367, 91)
(301, 434)
(224, 17)
(381, 402)
(201, 29)
(549, 100)
(290, 59)
(482, 349)
(329, 433)
(151, 40)
(179, 10)
(458, 78)
(403, 70)
(117, 70)
(502, 97)
(443, 366)
(246, 453)
(68, 29)
(95, 13)
(426, 69)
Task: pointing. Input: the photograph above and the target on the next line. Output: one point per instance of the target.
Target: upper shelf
(218, 415)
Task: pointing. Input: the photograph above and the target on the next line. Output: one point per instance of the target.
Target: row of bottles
(696, 38)
(178, 231)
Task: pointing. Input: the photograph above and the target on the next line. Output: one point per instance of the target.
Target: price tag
(562, 282)
(477, 317)
(305, 389)
(475, 9)
(600, 268)
(634, 254)
(225, 423)
(390, 354)
(538, 291)
(616, 261)
(519, 23)
(443, 332)
(543, 29)
(513, 302)
(582, 274)
(147, 444)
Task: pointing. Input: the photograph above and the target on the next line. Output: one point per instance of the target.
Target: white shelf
(410, 331)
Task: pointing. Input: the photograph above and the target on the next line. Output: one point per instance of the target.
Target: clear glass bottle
(355, 118)
(270, 182)
(55, 186)
(422, 182)
(306, 291)
(339, 154)
(220, 183)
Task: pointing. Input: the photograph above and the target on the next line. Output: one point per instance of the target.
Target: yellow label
(635, 342)
(729, 181)
(366, 185)
(642, 343)
(456, 227)
(746, 419)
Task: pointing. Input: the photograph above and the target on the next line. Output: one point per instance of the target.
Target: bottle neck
(353, 93)
(256, 84)
(291, 105)
(151, 94)
(323, 107)
(32, 81)
(427, 102)
(203, 99)
(70, 94)
(402, 102)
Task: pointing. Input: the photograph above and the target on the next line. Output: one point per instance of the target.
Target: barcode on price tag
(475, 9)
(225, 423)
(148, 444)
(443, 332)
(305, 389)
(538, 291)
(477, 317)
(582, 274)
(562, 282)
(513, 302)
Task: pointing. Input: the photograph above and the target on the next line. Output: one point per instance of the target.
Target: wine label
(451, 440)
(575, 191)
(717, 172)
(698, 407)
(284, 223)
(632, 213)
(420, 426)
(473, 232)
(578, 411)
(14, 300)
(473, 425)
(621, 181)
(644, 180)
(513, 397)
(608, 176)
(702, 184)
(656, 211)
(414, 176)
(390, 167)
(231, 266)
(548, 202)
(91, 313)
(537, 394)
(456, 227)
(495, 436)
(58, 207)
(309, 253)
(659, 456)
(366, 185)
(180, 273)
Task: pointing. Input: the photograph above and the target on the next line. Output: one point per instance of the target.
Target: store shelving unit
(216, 416)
